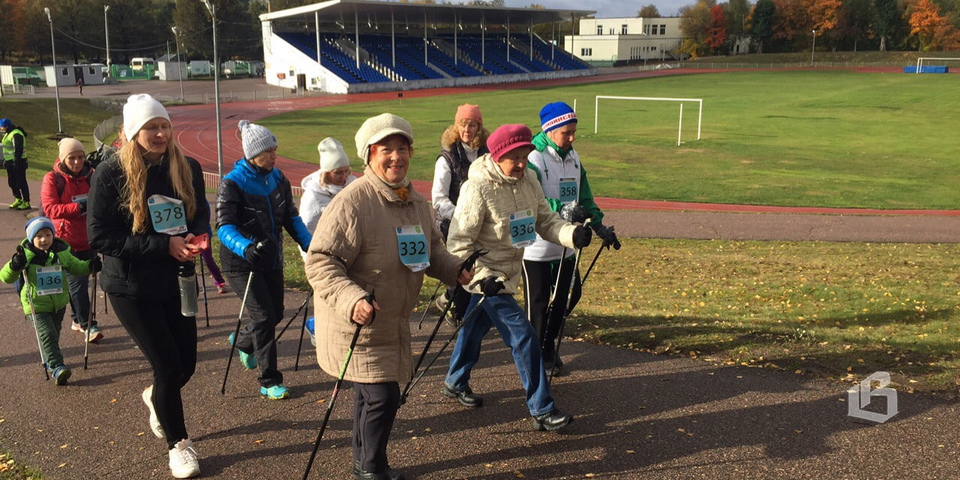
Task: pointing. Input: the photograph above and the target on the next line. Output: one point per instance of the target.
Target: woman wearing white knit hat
(254, 206)
(146, 205)
(321, 186)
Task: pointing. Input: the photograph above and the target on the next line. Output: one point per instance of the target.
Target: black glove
(574, 213)
(581, 236)
(96, 264)
(261, 254)
(8, 165)
(19, 260)
(606, 234)
(491, 286)
(469, 263)
(83, 207)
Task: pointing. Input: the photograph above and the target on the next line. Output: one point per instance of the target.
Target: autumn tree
(716, 36)
(792, 22)
(854, 21)
(649, 11)
(931, 28)
(694, 22)
(760, 22)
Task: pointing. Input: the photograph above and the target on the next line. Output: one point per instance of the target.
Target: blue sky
(608, 8)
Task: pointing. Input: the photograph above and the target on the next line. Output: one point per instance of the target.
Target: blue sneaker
(249, 361)
(276, 392)
(61, 374)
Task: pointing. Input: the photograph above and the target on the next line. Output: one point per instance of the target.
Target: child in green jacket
(42, 258)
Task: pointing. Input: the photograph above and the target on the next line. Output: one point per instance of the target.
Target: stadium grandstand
(354, 46)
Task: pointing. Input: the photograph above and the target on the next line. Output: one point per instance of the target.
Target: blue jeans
(517, 333)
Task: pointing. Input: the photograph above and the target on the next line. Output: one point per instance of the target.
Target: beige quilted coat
(481, 221)
(354, 251)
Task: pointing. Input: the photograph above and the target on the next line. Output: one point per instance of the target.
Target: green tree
(649, 11)
(760, 23)
(735, 13)
(889, 20)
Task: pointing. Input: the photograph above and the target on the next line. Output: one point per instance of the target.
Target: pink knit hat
(508, 137)
(469, 111)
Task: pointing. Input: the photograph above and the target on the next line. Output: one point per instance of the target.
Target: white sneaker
(183, 460)
(147, 396)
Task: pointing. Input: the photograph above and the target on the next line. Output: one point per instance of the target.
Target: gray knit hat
(377, 128)
(256, 139)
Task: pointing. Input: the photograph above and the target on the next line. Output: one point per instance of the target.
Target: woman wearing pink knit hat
(461, 144)
(63, 198)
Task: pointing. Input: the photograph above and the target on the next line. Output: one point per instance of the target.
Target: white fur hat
(138, 110)
(332, 155)
(377, 128)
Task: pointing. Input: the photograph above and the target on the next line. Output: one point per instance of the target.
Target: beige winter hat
(377, 128)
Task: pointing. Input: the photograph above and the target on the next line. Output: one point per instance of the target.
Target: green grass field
(800, 138)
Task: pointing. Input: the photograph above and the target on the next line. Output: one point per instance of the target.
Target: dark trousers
(375, 407)
(169, 341)
(17, 179)
(79, 294)
(538, 281)
(264, 308)
(48, 331)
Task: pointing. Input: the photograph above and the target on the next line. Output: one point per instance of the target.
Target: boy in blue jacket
(42, 258)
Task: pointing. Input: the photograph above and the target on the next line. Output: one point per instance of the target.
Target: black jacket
(138, 265)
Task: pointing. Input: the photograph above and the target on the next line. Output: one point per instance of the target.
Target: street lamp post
(176, 35)
(216, 85)
(814, 47)
(56, 79)
(106, 33)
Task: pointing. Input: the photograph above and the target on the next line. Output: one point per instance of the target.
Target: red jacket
(66, 214)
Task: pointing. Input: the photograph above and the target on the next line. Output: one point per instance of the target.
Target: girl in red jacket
(63, 198)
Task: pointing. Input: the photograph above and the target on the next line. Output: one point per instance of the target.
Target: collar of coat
(541, 141)
(388, 190)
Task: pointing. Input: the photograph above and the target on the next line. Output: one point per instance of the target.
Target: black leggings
(169, 341)
(17, 180)
(264, 307)
(375, 408)
(538, 281)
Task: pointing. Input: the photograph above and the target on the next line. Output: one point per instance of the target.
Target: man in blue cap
(564, 182)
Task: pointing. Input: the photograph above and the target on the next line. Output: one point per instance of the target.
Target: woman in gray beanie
(254, 206)
(378, 236)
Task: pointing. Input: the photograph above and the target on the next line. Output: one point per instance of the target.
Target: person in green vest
(15, 163)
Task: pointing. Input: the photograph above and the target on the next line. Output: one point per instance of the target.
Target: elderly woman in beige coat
(377, 235)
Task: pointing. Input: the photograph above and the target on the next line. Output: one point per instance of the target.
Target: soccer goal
(941, 59)
(699, 101)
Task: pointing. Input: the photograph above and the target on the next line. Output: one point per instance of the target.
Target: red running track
(196, 133)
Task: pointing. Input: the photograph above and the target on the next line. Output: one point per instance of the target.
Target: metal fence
(751, 66)
(274, 93)
(212, 181)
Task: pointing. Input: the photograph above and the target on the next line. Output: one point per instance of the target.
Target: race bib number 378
(167, 214)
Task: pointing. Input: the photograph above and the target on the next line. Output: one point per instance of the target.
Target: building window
(623, 29)
(646, 29)
(653, 48)
(63, 72)
(599, 29)
(663, 29)
(586, 52)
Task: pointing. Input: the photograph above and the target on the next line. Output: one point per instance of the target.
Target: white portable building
(172, 70)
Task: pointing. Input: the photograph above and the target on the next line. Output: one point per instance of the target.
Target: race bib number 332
(412, 244)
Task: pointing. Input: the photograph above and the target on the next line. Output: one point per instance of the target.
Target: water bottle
(187, 279)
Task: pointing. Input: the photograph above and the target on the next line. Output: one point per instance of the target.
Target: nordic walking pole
(470, 316)
(296, 364)
(553, 296)
(566, 312)
(203, 280)
(430, 302)
(336, 387)
(33, 314)
(92, 318)
(236, 333)
(301, 307)
(465, 267)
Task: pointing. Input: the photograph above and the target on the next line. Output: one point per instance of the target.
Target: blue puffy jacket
(255, 205)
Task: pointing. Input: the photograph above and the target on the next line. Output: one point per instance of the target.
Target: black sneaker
(466, 397)
(552, 421)
(388, 474)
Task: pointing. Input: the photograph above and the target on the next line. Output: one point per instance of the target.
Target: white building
(609, 41)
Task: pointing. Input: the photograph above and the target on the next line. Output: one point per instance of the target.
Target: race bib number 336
(523, 229)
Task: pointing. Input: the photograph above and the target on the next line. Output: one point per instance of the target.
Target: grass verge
(11, 470)
(830, 310)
